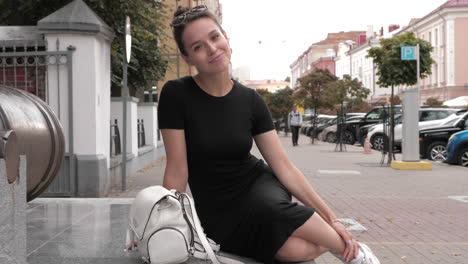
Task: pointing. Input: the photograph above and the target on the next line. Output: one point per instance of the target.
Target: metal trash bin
(39, 136)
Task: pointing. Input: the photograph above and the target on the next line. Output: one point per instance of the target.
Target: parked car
(457, 148)
(321, 119)
(433, 141)
(329, 133)
(428, 117)
(352, 129)
(311, 132)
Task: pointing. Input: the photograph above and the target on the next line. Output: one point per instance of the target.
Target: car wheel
(463, 157)
(378, 142)
(348, 138)
(331, 137)
(437, 151)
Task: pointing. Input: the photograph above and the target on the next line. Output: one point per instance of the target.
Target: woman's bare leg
(298, 250)
(316, 231)
(311, 240)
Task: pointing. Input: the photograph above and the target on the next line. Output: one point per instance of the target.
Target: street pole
(124, 127)
(127, 55)
(418, 74)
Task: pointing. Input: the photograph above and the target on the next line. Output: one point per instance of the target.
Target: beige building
(270, 85)
(177, 67)
(446, 28)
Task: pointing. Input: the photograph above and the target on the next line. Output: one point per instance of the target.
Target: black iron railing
(141, 133)
(115, 148)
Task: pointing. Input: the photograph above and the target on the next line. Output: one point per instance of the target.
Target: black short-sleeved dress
(240, 202)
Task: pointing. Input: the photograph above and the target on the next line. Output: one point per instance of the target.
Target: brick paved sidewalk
(407, 215)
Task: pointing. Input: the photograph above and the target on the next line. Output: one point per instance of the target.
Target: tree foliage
(281, 103)
(396, 100)
(265, 94)
(346, 92)
(310, 93)
(393, 71)
(433, 102)
(147, 64)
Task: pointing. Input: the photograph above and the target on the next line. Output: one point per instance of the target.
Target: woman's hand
(351, 246)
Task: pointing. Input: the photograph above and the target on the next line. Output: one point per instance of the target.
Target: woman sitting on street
(208, 122)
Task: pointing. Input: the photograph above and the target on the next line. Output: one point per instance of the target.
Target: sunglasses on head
(182, 18)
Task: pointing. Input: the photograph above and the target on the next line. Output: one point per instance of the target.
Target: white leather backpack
(165, 230)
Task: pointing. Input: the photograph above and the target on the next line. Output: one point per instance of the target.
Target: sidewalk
(404, 216)
(407, 215)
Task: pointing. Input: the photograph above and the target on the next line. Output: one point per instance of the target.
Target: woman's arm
(293, 179)
(176, 173)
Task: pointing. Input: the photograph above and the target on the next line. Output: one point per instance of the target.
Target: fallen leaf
(456, 254)
(404, 257)
(390, 218)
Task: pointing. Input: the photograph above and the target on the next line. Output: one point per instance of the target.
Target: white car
(377, 136)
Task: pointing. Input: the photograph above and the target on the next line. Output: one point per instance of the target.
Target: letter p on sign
(408, 53)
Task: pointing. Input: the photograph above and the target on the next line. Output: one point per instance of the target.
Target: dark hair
(178, 29)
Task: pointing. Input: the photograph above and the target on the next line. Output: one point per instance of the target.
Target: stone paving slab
(82, 231)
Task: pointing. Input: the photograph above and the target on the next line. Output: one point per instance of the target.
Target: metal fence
(115, 148)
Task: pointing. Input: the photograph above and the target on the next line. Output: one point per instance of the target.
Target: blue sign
(408, 53)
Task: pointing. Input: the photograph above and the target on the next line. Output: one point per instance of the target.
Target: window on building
(429, 38)
(436, 37)
(436, 75)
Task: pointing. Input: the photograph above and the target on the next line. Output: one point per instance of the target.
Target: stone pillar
(13, 215)
(76, 27)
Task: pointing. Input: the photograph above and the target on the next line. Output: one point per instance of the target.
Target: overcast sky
(268, 35)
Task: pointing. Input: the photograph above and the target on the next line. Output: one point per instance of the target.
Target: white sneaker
(365, 256)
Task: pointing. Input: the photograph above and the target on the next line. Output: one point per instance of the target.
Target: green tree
(288, 79)
(147, 64)
(392, 71)
(281, 103)
(310, 93)
(265, 94)
(345, 92)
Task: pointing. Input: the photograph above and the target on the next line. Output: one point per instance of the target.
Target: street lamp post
(128, 47)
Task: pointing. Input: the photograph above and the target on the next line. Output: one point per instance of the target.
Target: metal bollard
(38, 135)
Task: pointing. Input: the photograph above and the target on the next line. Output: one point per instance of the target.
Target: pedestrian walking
(208, 123)
(295, 123)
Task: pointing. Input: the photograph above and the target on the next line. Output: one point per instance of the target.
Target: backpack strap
(207, 243)
(199, 229)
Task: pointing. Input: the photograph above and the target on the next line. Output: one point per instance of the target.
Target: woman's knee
(298, 250)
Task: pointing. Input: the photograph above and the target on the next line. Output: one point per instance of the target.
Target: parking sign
(408, 53)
